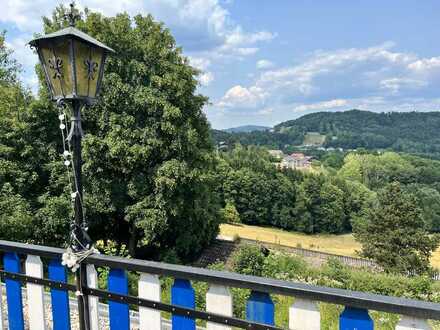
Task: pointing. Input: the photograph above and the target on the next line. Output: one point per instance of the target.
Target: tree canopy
(148, 156)
(393, 233)
(412, 132)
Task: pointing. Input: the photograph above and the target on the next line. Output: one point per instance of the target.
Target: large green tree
(148, 156)
(393, 233)
(18, 176)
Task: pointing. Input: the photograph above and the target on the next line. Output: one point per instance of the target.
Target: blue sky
(266, 61)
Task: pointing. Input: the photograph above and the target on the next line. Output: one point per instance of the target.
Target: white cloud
(206, 78)
(265, 64)
(199, 63)
(21, 50)
(301, 78)
(325, 105)
(26, 58)
(368, 78)
(200, 25)
(204, 28)
(239, 96)
(395, 85)
(238, 37)
(202, 64)
(425, 64)
(245, 51)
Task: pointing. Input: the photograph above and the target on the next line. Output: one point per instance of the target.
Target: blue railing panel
(59, 298)
(355, 319)
(260, 308)
(182, 294)
(119, 312)
(13, 292)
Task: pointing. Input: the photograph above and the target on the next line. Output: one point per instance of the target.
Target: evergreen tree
(230, 213)
(393, 233)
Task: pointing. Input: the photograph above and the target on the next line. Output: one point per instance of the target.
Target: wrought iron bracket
(76, 128)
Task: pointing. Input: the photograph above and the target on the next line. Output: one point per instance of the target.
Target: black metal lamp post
(73, 65)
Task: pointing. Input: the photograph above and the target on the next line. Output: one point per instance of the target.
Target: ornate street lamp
(72, 62)
(73, 65)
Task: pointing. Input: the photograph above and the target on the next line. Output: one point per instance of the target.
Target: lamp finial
(71, 16)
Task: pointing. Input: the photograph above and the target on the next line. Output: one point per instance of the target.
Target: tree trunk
(132, 242)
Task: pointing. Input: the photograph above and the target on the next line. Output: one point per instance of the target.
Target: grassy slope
(314, 139)
(337, 244)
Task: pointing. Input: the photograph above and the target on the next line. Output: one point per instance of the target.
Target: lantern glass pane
(43, 62)
(58, 67)
(88, 63)
(96, 57)
(62, 51)
(82, 51)
(52, 77)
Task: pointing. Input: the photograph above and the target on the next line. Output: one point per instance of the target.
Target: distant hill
(413, 132)
(246, 129)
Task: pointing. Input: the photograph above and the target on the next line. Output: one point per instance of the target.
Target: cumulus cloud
(395, 85)
(26, 58)
(200, 25)
(206, 78)
(346, 78)
(325, 105)
(202, 64)
(425, 64)
(199, 63)
(245, 51)
(204, 28)
(239, 96)
(238, 37)
(265, 64)
(304, 78)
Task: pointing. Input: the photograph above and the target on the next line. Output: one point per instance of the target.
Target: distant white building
(296, 161)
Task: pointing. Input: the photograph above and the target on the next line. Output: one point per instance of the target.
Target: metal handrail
(404, 306)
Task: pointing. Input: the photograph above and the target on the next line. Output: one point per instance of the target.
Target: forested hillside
(253, 191)
(413, 132)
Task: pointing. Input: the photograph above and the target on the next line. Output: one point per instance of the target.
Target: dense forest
(330, 200)
(412, 132)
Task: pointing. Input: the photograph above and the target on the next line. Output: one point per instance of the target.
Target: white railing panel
(149, 288)
(218, 301)
(92, 282)
(412, 323)
(35, 294)
(304, 315)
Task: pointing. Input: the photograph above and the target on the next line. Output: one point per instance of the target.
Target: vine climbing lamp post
(73, 65)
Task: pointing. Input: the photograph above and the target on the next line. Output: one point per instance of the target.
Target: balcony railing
(303, 314)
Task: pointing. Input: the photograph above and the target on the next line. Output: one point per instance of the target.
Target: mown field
(337, 244)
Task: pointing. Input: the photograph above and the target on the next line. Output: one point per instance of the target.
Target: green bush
(279, 265)
(249, 260)
(284, 267)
